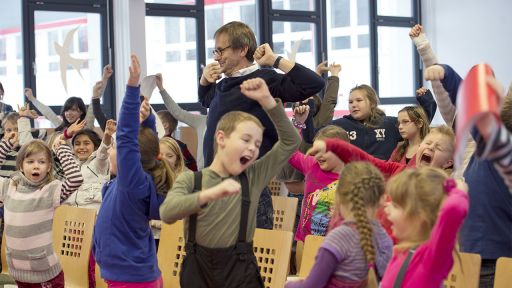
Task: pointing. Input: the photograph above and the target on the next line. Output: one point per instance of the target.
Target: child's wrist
(298, 124)
(66, 135)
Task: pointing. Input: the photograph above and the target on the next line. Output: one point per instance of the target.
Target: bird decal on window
(66, 59)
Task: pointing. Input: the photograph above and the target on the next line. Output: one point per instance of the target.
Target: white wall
(467, 32)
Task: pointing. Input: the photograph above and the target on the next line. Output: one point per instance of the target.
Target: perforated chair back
(465, 272)
(171, 252)
(272, 249)
(503, 276)
(275, 187)
(311, 246)
(285, 209)
(72, 241)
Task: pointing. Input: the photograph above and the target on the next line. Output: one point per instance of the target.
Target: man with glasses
(234, 54)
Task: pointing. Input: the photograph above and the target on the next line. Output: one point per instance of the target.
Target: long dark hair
(70, 103)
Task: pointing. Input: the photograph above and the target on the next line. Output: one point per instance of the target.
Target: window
(341, 42)
(180, 2)
(299, 5)
(399, 8)
(83, 41)
(172, 28)
(3, 50)
(214, 20)
(289, 39)
(340, 13)
(363, 41)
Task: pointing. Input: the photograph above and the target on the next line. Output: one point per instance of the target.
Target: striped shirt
(29, 210)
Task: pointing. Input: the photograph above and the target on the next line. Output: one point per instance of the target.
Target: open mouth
(245, 159)
(425, 158)
(36, 174)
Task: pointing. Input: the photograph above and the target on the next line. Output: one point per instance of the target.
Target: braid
(362, 222)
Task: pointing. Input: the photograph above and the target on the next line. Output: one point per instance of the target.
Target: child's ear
(220, 138)
(448, 164)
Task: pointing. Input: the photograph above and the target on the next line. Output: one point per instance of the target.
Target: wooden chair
(272, 249)
(275, 187)
(5, 278)
(311, 246)
(503, 277)
(72, 241)
(100, 283)
(285, 209)
(171, 252)
(465, 272)
(188, 135)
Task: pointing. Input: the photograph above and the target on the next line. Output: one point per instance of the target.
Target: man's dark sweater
(297, 85)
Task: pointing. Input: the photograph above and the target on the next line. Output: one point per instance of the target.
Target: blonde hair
(34, 147)
(231, 120)
(419, 192)
(175, 148)
(506, 110)
(11, 117)
(376, 113)
(420, 120)
(360, 187)
(162, 174)
(332, 131)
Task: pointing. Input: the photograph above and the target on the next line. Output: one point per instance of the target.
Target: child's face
(10, 126)
(83, 147)
(241, 148)
(329, 162)
(112, 156)
(168, 155)
(72, 114)
(359, 105)
(36, 166)
(435, 151)
(406, 127)
(402, 228)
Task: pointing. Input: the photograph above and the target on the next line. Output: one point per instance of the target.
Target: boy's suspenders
(244, 217)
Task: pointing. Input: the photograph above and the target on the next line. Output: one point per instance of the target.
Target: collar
(244, 71)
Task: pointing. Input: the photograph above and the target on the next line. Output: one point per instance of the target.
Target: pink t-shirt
(433, 260)
(314, 179)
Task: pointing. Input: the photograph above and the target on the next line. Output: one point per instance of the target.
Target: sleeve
(24, 131)
(206, 94)
(308, 133)
(326, 109)
(300, 161)
(297, 85)
(101, 163)
(89, 117)
(98, 113)
(5, 148)
(191, 119)
(438, 256)
(180, 201)
(325, 265)
(150, 122)
(428, 104)
(499, 150)
(47, 112)
(451, 82)
(289, 141)
(130, 174)
(72, 174)
(429, 58)
(348, 153)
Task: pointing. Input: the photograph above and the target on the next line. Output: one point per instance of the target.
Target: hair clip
(449, 184)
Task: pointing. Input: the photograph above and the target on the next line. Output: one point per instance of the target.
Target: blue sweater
(296, 85)
(123, 244)
(487, 229)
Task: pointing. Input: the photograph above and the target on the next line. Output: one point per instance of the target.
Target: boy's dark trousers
(234, 266)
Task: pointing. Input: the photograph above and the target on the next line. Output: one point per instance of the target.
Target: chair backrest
(171, 252)
(285, 209)
(503, 276)
(275, 187)
(4, 259)
(188, 135)
(72, 241)
(465, 272)
(272, 249)
(311, 246)
(100, 282)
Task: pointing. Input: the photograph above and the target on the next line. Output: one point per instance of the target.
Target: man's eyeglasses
(217, 52)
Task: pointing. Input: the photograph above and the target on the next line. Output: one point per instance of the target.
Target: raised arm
(102, 160)
(429, 58)
(45, 110)
(427, 102)
(326, 110)
(24, 126)
(72, 174)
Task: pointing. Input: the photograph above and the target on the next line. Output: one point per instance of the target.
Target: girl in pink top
(427, 209)
(321, 175)
(413, 127)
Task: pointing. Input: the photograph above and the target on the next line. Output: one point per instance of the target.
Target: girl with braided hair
(356, 253)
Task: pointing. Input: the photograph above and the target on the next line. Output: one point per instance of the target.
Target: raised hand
(159, 81)
(75, 127)
(225, 188)
(420, 92)
(257, 90)
(110, 127)
(107, 72)
(133, 79)
(415, 31)
(335, 69)
(12, 138)
(24, 111)
(211, 73)
(434, 72)
(264, 55)
(144, 110)
(301, 112)
(97, 90)
(319, 147)
(58, 142)
(29, 94)
(322, 68)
